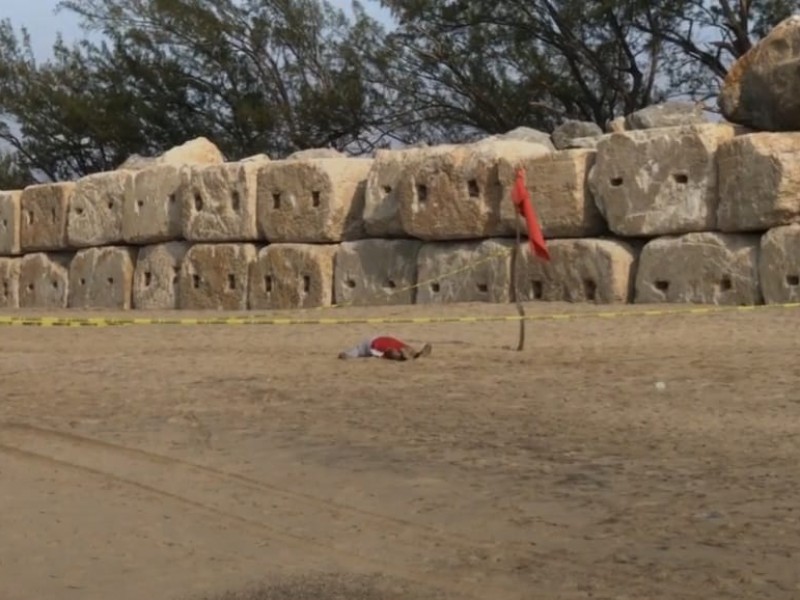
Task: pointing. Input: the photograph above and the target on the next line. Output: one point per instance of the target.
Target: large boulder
(569, 130)
(659, 181)
(199, 151)
(759, 182)
(96, 209)
(700, 268)
(44, 280)
(102, 278)
(376, 272)
(156, 277)
(44, 212)
(9, 282)
(526, 134)
(215, 276)
(667, 114)
(762, 89)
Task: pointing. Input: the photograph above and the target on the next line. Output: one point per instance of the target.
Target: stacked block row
(701, 213)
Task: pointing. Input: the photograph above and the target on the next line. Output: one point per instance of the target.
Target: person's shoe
(426, 350)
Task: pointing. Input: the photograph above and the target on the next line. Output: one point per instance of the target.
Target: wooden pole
(520, 308)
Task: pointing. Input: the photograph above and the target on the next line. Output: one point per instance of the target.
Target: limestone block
(311, 153)
(199, 151)
(95, 211)
(215, 276)
(10, 223)
(157, 274)
(666, 114)
(457, 195)
(701, 268)
(9, 282)
(659, 181)
(219, 202)
(312, 201)
(759, 182)
(102, 278)
(527, 134)
(779, 265)
(601, 271)
(376, 272)
(558, 187)
(44, 280)
(43, 219)
(464, 271)
(152, 213)
(292, 276)
(381, 204)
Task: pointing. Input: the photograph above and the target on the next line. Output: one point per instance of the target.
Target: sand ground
(167, 462)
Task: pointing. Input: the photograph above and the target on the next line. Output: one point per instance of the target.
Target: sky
(44, 23)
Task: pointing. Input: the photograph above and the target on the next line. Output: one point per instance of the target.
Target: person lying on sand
(384, 346)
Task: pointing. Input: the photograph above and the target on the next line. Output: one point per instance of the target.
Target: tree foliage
(277, 76)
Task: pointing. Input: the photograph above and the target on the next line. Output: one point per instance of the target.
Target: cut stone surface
(102, 278)
(761, 89)
(152, 213)
(9, 282)
(312, 201)
(312, 153)
(156, 277)
(381, 205)
(558, 186)
(779, 265)
(564, 134)
(526, 134)
(10, 223)
(666, 114)
(43, 219)
(376, 272)
(44, 280)
(215, 276)
(601, 271)
(759, 182)
(96, 208)
(464, 272)
(292, 276)
(702, 268)
(660, 181)
(457, 195)
(219, 202)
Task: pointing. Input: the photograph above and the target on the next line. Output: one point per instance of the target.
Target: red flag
(522, 201)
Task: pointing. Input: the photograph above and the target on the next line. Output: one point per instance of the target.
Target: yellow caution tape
(45, 321)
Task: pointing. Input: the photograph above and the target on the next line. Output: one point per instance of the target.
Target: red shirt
(383, 343)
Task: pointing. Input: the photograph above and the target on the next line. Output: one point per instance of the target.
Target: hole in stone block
(236, 200)
(175, 272)
(268, 284)
(53, 215)
(29, 215)
(110, 281)
(681, 178)
(196, 281)
(306, 284)
(793, 280)
(537, 289)
(231, 281)
(30, 287)
(435, 287)
(725, 284)
(110, 204)
(5, 223)
(78, 210)
(139, 203)
(662, 286)
(198, 201)
(590, 290)
(422, 193)
(387, 189)
(276, 201)
(83, 281)
(351, 283)
(54, 283)
(390, 284)
(315, 199)
(616, 181)
(173, 198)
(474, 190)
(148, 278)
(483, 288)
